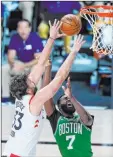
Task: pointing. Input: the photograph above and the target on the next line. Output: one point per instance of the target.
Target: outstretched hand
(78, 42)
(67, 89)
(54, 29)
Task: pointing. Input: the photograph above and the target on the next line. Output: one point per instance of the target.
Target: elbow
(87, 120)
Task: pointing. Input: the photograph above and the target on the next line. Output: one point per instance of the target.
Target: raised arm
(50, 90)
(49, 105)
(65, 68)
(40, 67)
(84, 115)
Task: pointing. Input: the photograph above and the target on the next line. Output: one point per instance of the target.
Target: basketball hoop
(101, 20)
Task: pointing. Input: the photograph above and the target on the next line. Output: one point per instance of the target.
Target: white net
(102, 28)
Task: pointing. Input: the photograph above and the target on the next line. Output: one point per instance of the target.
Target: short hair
(18, 85)
(25, 20)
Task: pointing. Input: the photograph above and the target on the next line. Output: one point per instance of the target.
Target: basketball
(71, 24)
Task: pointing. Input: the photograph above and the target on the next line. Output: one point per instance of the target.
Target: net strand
(99, 24)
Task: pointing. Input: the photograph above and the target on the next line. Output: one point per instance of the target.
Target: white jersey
(25, 130)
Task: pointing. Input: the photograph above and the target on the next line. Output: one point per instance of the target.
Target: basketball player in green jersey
(70, 122)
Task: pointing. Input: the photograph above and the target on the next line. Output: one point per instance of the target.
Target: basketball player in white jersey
(29, 102)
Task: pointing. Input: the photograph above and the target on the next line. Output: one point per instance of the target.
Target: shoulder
(15, 36)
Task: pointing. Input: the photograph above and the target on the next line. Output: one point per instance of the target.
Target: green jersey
(72, 136)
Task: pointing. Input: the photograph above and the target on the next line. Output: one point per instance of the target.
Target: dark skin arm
(84, 115)
(49, 105)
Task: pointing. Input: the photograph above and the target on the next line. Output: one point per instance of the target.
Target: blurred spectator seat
(27, 10)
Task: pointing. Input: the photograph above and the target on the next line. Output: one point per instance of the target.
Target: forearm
(46, 51)
(49, 107)
(65, 68)
(40, 67)
(84, 115)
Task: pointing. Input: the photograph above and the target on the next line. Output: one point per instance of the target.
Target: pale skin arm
(40, 67)
(50, 90)
(49, 105)
(84, 115)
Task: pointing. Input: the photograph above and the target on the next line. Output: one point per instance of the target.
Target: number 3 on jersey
(71, 139)
(17, 119)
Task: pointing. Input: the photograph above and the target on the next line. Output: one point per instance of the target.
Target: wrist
(52, 38)
(74, 52)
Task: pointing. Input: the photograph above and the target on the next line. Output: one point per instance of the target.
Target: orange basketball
(71, 24)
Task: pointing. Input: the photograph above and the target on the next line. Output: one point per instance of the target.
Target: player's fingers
(50, 24)
(68, 84)
(63, 88)
(81, 38)
(78, 38)
(83, 42)
(59, 25)
(69, 79)
(48, 62)
(55, 22)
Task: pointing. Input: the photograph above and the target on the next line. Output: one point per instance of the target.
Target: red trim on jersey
(30, 102)
(13, 155)
(36, 121)
(36, 126)
(31, 99)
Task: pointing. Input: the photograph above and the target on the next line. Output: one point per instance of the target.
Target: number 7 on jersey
(72, 139)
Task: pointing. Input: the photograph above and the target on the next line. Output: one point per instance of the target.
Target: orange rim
(101, 14)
